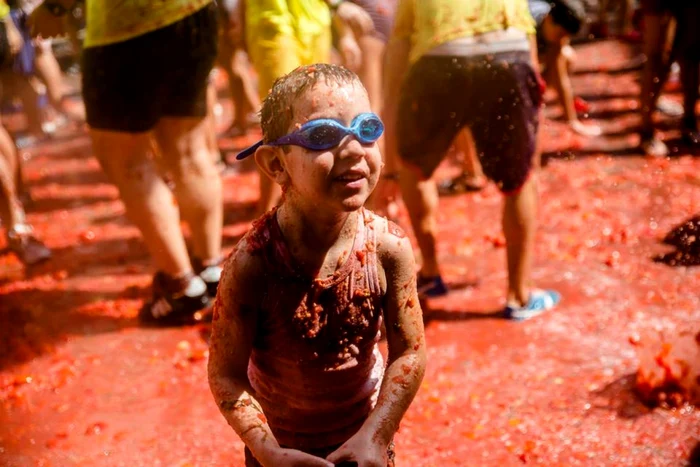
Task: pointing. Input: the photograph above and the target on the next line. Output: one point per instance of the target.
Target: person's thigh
(188, 59)
(506, 133)
(431, 108)
(122, 86)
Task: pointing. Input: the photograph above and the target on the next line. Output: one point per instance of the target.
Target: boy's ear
(270, 162)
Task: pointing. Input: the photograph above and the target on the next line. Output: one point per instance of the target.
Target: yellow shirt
(4, 9)
(429, 23)
(297, 18)
(111, 21)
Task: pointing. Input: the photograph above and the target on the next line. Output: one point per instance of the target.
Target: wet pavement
(82, 384)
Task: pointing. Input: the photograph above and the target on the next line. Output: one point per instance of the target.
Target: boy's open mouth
(350, 176)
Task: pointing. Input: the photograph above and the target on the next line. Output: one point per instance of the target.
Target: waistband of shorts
(508, 40)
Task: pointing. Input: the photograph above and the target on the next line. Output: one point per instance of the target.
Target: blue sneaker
(430, 287)
(540, 301)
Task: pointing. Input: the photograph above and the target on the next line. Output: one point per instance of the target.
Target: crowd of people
(359, 102)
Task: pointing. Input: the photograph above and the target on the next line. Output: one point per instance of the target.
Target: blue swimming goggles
(324, 133)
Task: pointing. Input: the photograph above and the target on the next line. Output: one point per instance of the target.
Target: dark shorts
(130, 85)
(686, 44)
(496, 96)
(250, 461)
(382, 15)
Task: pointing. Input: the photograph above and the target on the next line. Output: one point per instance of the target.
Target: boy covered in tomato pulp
(294, 362)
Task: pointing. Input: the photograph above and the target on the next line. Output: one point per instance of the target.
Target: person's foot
(210, 273)
(27, 247)
(669, 107)
(176, 301)
(462, 183)
(539, 302)
(431, 287)
(653, 147)
(587, 130)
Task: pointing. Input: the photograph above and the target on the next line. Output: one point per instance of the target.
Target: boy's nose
(351, 147)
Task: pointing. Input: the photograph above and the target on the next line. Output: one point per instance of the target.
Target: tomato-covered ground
(81, 383)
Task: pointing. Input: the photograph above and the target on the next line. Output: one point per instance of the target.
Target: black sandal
(170, 308)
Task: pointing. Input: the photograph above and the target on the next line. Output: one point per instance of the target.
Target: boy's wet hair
(277, 111)
(569, 14)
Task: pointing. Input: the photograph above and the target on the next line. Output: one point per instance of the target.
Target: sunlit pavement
(82, 384)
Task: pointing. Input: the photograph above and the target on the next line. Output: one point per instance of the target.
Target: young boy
(294, 365)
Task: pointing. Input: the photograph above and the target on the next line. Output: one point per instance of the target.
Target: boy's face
(343, 177)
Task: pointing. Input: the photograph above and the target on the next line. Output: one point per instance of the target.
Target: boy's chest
(317, 321)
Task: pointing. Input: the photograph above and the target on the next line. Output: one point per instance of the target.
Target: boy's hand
(356, 18)
(292, 458)
(361, 450)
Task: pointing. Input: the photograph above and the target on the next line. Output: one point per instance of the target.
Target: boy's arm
(233, 331)
(407, 355)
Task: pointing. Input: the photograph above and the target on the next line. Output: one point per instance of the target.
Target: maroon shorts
(382, 14)
(496, 96)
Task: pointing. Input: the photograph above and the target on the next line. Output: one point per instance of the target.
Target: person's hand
(585, 130)
(14, 37)
(43, 24)
(360, 450)
(350, 51)
(281, 457)
(356, 18)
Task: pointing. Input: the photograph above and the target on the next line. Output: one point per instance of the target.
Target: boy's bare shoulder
(244, 269)
(392, 242)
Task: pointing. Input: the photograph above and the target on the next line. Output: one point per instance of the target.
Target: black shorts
(686, 44)
(496, 96)
(381, 12)
(130, 85)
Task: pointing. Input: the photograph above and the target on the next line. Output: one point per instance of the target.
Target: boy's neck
(311, 227)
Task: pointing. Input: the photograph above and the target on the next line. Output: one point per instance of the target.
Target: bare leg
(11, 213)
(126, 158)
(421, 198)
(21, 87)
(471, 165)
(49, 71)
(371, 69)
(653, 76)
(519, 226)
(243, 92)
(187, 155)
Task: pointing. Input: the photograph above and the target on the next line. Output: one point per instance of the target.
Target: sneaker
(27, 247)
(431, 287)
(172, 307)
(540, 301)
(209, 274)
(654, 147)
